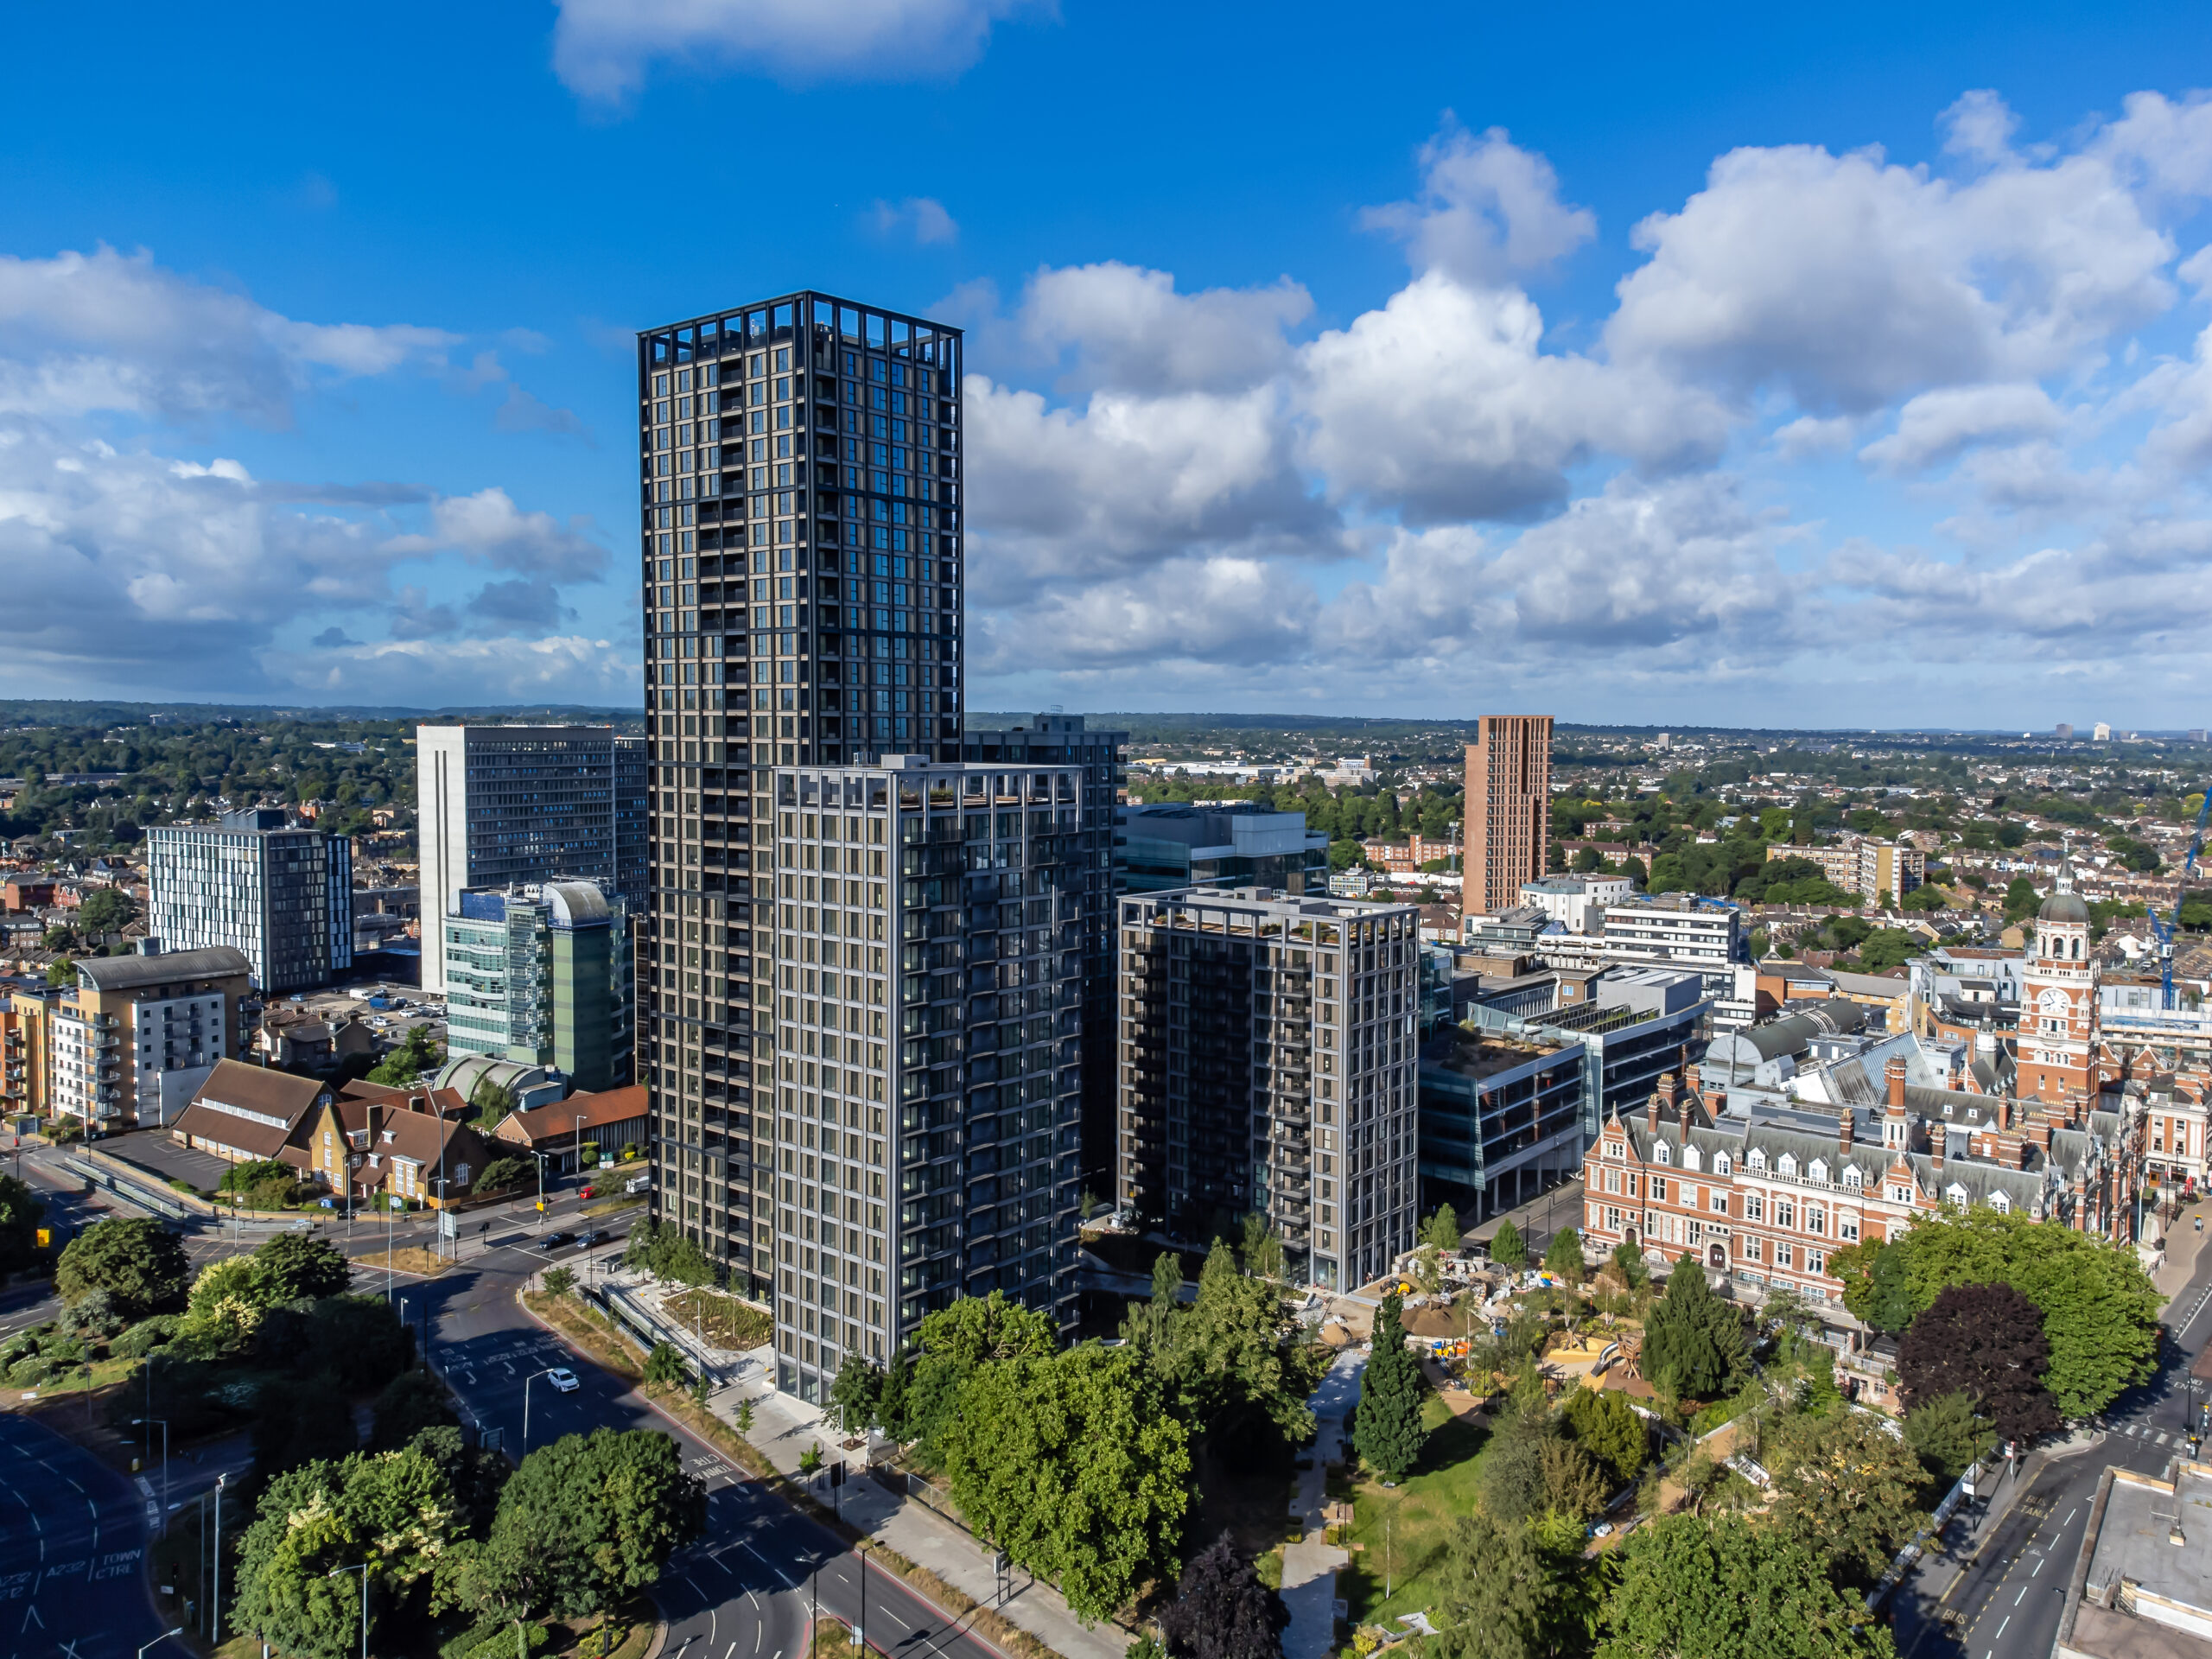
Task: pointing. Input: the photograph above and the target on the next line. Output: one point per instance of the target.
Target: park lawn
(1406, 1531)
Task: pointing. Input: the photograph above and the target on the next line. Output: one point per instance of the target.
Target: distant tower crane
(2166, 931)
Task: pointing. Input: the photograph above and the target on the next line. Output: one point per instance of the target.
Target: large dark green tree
(21, 1212)
(292, 1267)
(1386, 1433)
(955, 1342)
(1605, 1425)
(139, 1262)
(1846, 1488)
(1692, 1342)
(1237, 1360)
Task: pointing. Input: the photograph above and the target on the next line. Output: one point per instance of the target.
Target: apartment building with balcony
(924, 959)
(27, 1012)
(1268, 1063)
(137, 1035)
(1882, 871)
(802, 561)
(1064, 741)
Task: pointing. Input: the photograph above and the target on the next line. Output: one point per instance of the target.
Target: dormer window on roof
(1722, 1163)
(2001, 1202)
(1785, 1165)
(1662, 1153)
(1818, 1171)
(1757, 1161)
(1853, 1178)
(1691, 1159)
(1955, 1193)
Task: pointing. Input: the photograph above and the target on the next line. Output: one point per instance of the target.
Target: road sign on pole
(449, 1225)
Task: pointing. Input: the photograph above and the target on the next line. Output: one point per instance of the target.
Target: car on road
(556, 1240)
(595, 1235)
(638, 1184)
(590, 1190)
(563, 1381)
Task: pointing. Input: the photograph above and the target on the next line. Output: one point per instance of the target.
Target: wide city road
(752, 1584)
(2007, 1604)
(73, 1549)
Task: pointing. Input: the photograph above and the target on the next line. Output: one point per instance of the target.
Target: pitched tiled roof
(249, 1109)
(558, 1121)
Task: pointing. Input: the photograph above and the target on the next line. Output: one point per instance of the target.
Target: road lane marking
(2037, 1568)
(2068, 1520)
(2023, 1596)
(1999, 1637)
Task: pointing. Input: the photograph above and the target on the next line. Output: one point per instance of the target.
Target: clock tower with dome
(2056, 1054)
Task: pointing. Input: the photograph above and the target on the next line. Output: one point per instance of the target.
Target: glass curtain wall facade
(800, 479)
(927, 969)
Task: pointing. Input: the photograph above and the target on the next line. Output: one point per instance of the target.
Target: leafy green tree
(1987, 1342)
(665, 1367)
(559, 1281)
(1071, 1463)
(1514, 1483)
(1388, 1433)
(1506, 1248)
(588, 1520)
(292, 1266)
(295, 1423)
(957, 1340)
(107, 911)
(1693, 1341)
(410, 1403)
(1150, 1323)
(1723, 1589)
(504, 1171)
(1237, 1360)
(1845, 1488)
(21, 1212)
(1441, 1230)
(1605, 1425)
(1563, 1256)
(418, 1052)
(61, 974)
(2021, 899)
(395, 1510)
(2099, 1310)
(135, 1259)
(1222, 1611)
(855, 1394)
(1948, 1435)
(1628, 1256)
(1497, 1593)
(1263, 1248)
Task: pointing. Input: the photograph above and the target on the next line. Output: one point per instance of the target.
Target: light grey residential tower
(507, 805)
(799, 479)
(281, 893)
(926, 963)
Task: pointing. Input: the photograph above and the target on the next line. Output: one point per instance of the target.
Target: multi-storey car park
(800, 519)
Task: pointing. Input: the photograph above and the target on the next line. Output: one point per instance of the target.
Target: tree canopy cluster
(2099, 1310)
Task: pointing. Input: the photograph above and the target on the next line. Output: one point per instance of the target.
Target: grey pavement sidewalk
(2184, 1245)
(1309, 1567)
(1976, 1521)
(783, 1429)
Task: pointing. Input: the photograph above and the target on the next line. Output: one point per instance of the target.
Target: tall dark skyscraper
(801, 519)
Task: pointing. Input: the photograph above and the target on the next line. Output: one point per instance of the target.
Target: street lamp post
(363, 1569)
(526, 1381)
(860, 1627)
(158, 1640)
(215, 1599)
(150, 1422)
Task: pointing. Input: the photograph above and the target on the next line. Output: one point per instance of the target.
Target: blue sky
(1823, 369)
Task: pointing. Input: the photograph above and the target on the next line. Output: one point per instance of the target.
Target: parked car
(563, 1380)
(556, 1240)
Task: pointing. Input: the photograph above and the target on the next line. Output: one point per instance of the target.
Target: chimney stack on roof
(1844, 1127)
(1651, 1110)
(1893, 1075)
